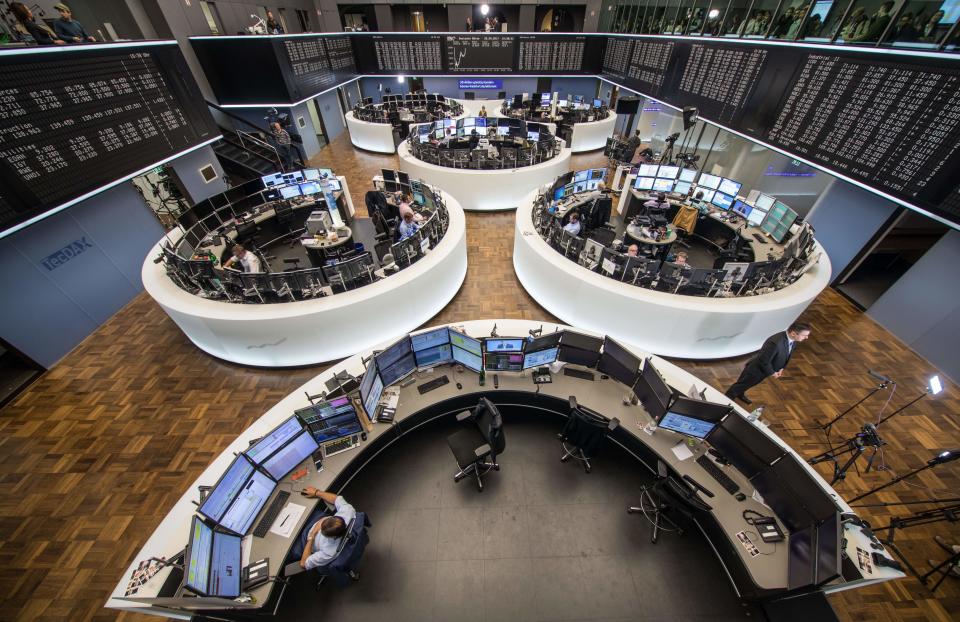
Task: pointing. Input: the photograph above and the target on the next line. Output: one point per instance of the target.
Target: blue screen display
(217, 502)
(225, 566)
(722, 200)
(686, 425)
(248, 503)
(290, 456)
(430, 339)
(543, 357)
(504, 345)
(273, 441)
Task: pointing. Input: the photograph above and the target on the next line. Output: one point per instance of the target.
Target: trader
(633, 250)
(573, 226)
(282, 139)
(769, 361)
(248, 261)
(69, 29)
(407, 226)
(483, 112)
(658, 203)
(323, 539)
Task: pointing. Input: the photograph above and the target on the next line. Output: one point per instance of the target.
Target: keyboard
(436, 383)
(341, 444)
(576, 373)
(759, 238)
(273, 511)
(717, 473)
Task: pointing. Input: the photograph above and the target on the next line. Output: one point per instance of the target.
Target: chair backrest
(488, 419)
(586, 429)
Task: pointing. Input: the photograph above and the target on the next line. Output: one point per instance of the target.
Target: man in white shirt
(325, 535)
(573, 227)
(248, 261)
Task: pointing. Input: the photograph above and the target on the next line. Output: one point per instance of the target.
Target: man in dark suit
(769, 361)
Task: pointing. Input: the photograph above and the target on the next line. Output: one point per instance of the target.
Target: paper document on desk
(681, 451)
(609, 267)
(287, 519)
(391, 397)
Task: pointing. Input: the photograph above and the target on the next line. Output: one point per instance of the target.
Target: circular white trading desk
(485, 190)
(592, 135)
(689, 327)
(377, 137)
(326, 329)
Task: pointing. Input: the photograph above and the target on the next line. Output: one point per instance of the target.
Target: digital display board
(407, 53)
(75, 119)
(315, 64)
(479, 53)
(550, 54)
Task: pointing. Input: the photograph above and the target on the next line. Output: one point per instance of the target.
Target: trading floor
(97, 449)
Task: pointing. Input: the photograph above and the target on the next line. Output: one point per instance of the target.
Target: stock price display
(480, 53)
(72, 121)
(544, 54)
(317, 64)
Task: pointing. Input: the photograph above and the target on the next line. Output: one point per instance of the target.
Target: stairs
(244, 161)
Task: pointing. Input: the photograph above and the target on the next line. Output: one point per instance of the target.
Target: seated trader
(573, 226)
(633, 250)
(248, 261)
(700, 204)
(681, 261)
(658, 203)
(325, 532)
(405, 207)
(407, 226)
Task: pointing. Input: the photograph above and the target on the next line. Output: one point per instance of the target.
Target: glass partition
(866, 22)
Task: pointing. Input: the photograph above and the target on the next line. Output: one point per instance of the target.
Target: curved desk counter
(376, 137)
(758, 577)
(471, 107)
(691, 327)
(324, 329)
(485, 190)
(592, 135)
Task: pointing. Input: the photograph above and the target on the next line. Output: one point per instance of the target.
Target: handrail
(236, 117)
(260, 143)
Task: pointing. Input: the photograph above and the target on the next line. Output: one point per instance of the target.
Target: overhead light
(401, 79)
(934, 385)
(484, 9)
(713, 13)
(945, 456)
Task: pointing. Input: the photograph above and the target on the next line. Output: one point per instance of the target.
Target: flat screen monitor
(468, 359)
(292, 454)
(829, 558)
(688, 174)
(506, 361)
(371, 388)
(334, 184)
(682, 187)
(562, 103)
(277, 438)
(597, 103)
(663, 185)
(213, 562)
(644, 183)
(580, 186)
(480, 122)
(709, 181)
(540, 357)
(742, 208)
(621, 355)
(437, 355)
(469, 122)
(581, 175)
(647, 170)
(598, 173)
(308, 187)
(685, 424)
(592, 184)
(293, 177)
(707, 194)
(533, 136)
(288, 192)
(339, 426)
(756, 216)
(730, 187)
(558, 194)
(430, 339)
(248, 503)
(545, 98)
(503, 130)
(399, 370)
(225, 490)
(692, 417)
(393, 353)
(576, 356)
(581, 341)
(274, 179)
(311, 174)
(438, 134)
(800, 559)
(654, 394)
(744, 446)
(543, 342)
(271, 195)
(764, 202)
(668, 172)
(623, 374)
(721, 200)
(503, 345)
(197, 563)
(465, 342)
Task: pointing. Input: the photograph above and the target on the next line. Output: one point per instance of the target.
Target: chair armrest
(482, 450)
(614, 424)
(573, 402)
(464, 416)
(293, 568)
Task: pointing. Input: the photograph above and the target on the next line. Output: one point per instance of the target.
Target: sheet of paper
(245, 551)
(681, 451)
(609, 267)
(287, 519)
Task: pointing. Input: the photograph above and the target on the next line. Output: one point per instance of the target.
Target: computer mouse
(459, 386)
(739, 496)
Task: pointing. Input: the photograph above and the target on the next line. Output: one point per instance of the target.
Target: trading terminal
(439, 311)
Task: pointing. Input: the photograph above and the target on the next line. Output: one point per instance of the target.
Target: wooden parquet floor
(94, 453)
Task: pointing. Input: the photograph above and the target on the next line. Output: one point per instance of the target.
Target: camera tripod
(949, 513)
(867, 438)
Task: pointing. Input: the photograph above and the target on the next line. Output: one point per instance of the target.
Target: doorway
(17, 372)
(319, 127)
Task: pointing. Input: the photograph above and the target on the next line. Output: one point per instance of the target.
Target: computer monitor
(503, 345)
(688, 174)
(621, 355)
(343, 423)
(652, 391)
(291, 455)
(503, 361)
(549, 340)
(533, 136)
(721, 200)
(399, 370)
(371, 388)
(644, 183)
(430, 339)
(598, 173)
(311, 174)
(334, 184)
(503, 130)
(668, 172)
(741, 208)
(226, 489)
(572, 339)
(730, 187)
(558, 193)
(213, 561)
(308, 187)
(581, 175)
(576, 356)
(744, 445)
(764, 202)
(597, 103)
(591, 184)
(469, 122)
(393, 353)
(465, 342)
(692, 417)
(437, 355)
(540, 357)
(249, 501)
(293, 177)
(707, 194)
(438, 134)
(260, 451)
(580, 186)
(468, 359)
(562, 103)
(756, 216)
(682, 187)
(709, 181)
(197, 561)
(274, 179)
(647, 170)
(288, 192)
(663, 185)
(545, 98)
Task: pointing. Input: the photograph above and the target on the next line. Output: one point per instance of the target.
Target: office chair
(664, 495)
(341, 568)
(685, 222)
(583, 434)
(480, 439)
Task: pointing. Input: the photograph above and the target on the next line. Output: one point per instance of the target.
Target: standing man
(247, 260)
(282, 138)
(769, 361)
(69, 29)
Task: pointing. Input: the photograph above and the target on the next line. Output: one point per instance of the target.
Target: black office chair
(480, 439)
(583, 434)
(343, 567)
(663, 496)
